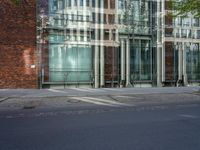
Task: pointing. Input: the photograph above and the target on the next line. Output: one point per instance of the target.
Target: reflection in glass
(70, 63)
(141, 60)
(193, 61)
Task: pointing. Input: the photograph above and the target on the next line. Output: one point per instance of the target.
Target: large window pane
(70, 64)
(141, 60)
(193, 61)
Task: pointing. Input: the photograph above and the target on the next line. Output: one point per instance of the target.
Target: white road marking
(106, 101)
(82, 90)
(121, 96)
(93, 89)
(84, 99)
(188, 116)
(57, 91)
(124, 96)
(107, 89)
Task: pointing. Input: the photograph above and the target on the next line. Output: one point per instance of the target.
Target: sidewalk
(21, 99)
(92, 92)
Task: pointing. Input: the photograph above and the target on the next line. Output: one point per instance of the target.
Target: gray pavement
(92, 91)
(22, 99)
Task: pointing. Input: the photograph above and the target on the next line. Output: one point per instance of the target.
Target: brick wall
(111, 64)
(169, 61)
(18, 45)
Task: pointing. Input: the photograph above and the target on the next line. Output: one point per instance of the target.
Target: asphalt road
(173, 126)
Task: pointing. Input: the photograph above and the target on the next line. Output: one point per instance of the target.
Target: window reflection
(141, 60)
(193, 61)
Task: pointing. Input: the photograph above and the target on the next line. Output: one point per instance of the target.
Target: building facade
(102, 43)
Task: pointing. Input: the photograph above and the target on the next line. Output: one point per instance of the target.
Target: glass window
(70, 64)
(68, 3)
(186, 22)
(75, 3)
(93, 3)
(183, 33)
(105, 4)
(121, 4)
(87, 3)
(196, 22)
(112, 4)
(81, 2)
(193, 61)
(141, 60)
(93, 17)
(99, 3)
(198, 34)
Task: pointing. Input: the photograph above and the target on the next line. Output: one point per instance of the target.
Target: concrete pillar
(127, 62)
(122, 60)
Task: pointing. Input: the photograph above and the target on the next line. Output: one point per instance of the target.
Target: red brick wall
(169, 61)
(18, 45)
(111, 64)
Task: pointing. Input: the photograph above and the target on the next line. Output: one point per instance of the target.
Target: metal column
(185, 78)
(122, 60)
(159, 45)
(96, 53)
(102, 66)
(180, 62)
(127, 63)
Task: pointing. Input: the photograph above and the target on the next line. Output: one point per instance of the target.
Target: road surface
(148, 126)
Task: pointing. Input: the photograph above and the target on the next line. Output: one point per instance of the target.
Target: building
(98, 43)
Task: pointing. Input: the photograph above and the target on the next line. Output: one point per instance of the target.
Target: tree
(184, 7)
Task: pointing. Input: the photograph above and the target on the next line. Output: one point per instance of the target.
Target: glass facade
(193, 61)
(70, 54)
(115, 43)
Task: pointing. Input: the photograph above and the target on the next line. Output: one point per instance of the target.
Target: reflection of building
(181, 48)
(112, 43)
(93, 43)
